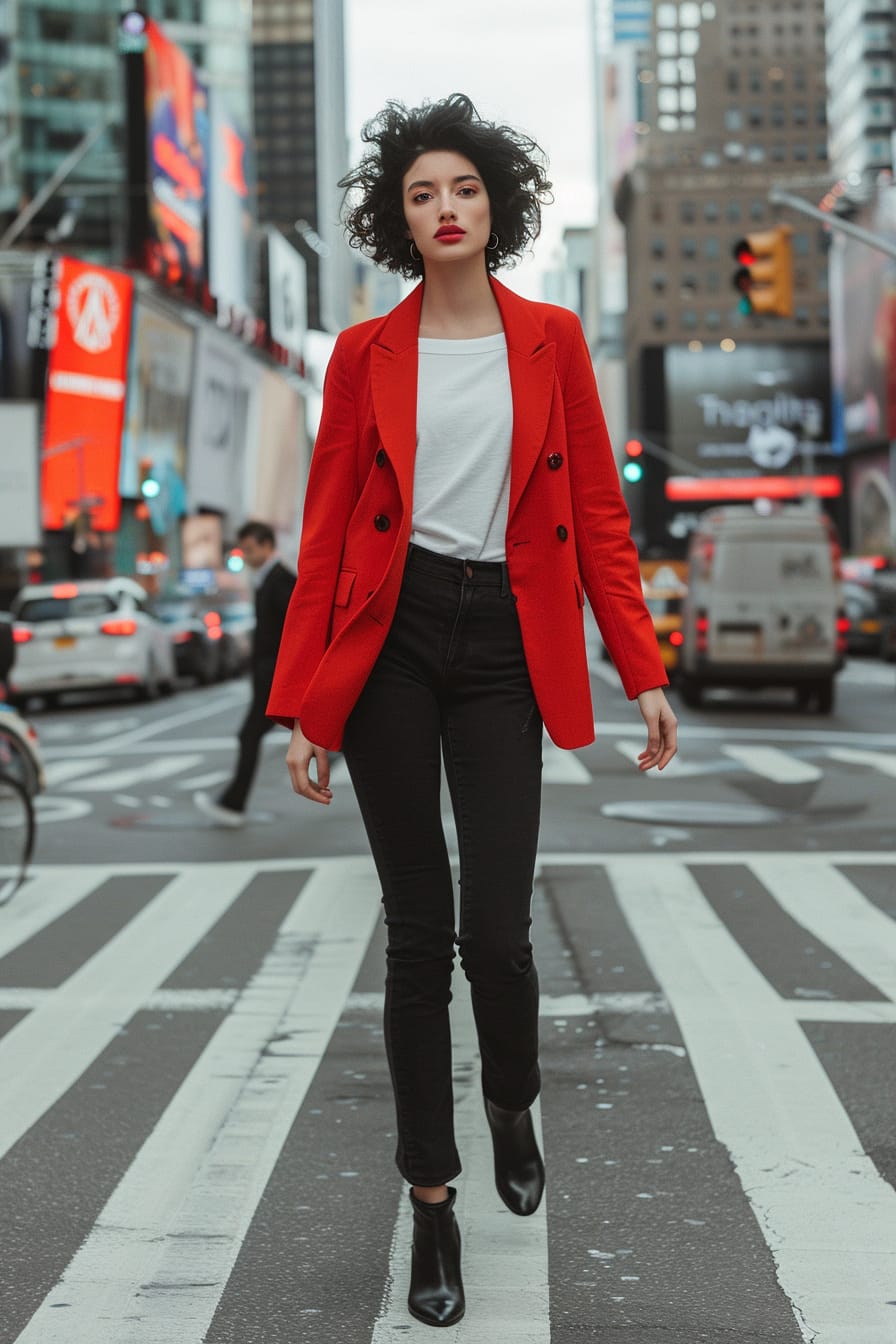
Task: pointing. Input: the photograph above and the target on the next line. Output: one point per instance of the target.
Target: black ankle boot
(519, 1170)
(437, 1293)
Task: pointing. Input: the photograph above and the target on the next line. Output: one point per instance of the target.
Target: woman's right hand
(298, 759)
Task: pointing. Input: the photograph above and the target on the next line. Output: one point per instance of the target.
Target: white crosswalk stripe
(156, 1263)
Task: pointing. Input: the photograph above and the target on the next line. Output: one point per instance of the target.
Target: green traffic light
(633, 471)
(744, 305)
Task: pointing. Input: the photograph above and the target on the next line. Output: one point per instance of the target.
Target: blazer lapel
(531, 362)
(393, 389)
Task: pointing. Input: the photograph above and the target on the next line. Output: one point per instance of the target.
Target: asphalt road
(196, 1132)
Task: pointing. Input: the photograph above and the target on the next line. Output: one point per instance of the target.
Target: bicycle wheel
(16, 836)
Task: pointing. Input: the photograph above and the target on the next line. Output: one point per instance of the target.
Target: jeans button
(468, 570)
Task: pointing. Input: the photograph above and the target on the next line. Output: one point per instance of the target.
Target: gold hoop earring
(492, 246)
(415, 255)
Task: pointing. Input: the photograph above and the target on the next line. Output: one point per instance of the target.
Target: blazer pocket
(580, 596)
(344, 587)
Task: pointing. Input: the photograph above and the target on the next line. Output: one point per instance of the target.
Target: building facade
(299, 115)
(734, 101)
(860, 63)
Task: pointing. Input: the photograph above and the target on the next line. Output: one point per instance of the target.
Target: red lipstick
(450, 233)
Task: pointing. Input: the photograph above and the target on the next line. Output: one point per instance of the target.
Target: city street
(199, 1144)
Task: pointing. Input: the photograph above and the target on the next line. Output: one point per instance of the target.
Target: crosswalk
(152, 1261)
(186, 766)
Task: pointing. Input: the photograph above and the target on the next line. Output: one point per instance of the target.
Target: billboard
(278, 472)
(288, 290)
(157, 410)
(224, 385)
(86, 384)
(19, 473)
(177, 132)
(231, 185)
(863, 332)
(759, 409)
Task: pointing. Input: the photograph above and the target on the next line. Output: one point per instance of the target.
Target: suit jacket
(567, 533)
(271, 604)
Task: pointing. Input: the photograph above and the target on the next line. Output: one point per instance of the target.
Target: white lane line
(556, 1005)
(504, 1259)
(808, 736)
(274, 741)
(60, 772)
(774, 764)
(45, 1053)
(207, 781)
(160, 768)
(839, 1010)
(156, 1263)
(562, 767)
(828, 1216)
(159, 724)
(820, 898)
(45, 896)
(874, 759)
(15, 999)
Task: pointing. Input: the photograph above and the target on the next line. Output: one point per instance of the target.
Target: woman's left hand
(662, 730)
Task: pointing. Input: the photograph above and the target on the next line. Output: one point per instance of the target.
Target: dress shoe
(519, 1170)
(437, 1293)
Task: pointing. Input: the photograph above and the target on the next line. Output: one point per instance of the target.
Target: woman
(462, 502)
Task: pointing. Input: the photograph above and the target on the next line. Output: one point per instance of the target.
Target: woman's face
(447, 208)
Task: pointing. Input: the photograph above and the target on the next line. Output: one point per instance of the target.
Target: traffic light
(764, 277)
(150, 486)
(633, 468)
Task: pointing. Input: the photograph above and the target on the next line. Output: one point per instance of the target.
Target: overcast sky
(525, 62)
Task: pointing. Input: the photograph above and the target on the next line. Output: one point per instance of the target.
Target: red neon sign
(683, 488)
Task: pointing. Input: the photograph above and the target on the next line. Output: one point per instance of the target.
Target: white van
(764, 605)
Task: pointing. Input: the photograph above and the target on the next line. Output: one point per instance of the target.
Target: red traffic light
(634, 448)
(743, 252)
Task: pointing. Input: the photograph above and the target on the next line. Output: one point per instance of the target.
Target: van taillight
(702, 630)
(705, 555)
(21, 635)
(842, 632)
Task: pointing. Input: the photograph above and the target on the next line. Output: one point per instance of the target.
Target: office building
(860, 64)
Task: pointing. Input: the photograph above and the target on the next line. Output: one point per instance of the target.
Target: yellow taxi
(664, 593)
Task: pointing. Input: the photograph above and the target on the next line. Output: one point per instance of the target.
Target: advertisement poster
(224, 380)
(287, 284)
(231, 187)
(19, 473)
(282, 455)
(86, 385)
(177, 127)
(157, 411)
(761, 409)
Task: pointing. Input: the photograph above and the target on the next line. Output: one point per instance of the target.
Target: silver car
(91, 634)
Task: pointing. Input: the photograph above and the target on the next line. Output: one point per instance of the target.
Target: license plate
(65, 642)
(739, 641)
(869, 627)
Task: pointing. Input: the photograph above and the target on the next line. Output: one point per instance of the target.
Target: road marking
(133, 736)
(874, 759)
(48, 893)
(60, 772)
(826, 903)
(48, 1050)
(158, 1258)
(550, 1005)
(771, 763)
(867, 674)
(505, 1259)
(204, 781)
(708, 732)
(677, 767)
(562, 767)
(122, 780)
(828, 1216)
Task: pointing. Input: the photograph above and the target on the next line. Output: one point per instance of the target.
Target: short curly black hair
(512, 166)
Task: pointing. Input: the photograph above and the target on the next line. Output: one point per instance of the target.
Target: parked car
(885, 591)
(861, 606)
(195, 647)
(238, 626)
(91, 634)
(764, 605)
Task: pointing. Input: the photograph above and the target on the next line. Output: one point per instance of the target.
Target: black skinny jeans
(452, 679)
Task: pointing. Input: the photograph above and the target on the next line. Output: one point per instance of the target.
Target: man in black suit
(273, 589)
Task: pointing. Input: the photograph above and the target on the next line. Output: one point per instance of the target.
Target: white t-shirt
(464, 429)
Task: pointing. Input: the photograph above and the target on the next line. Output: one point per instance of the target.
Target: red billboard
(86, 384)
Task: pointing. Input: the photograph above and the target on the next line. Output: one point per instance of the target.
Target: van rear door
(773, 601)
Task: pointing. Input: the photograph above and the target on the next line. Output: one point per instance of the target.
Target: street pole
(834, 222)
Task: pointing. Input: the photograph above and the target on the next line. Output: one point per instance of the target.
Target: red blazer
(567, 531)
